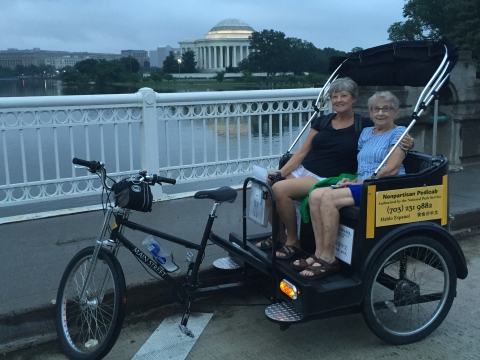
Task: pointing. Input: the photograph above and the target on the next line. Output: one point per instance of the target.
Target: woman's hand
(273, 177)
(407, 143)
(345, 182)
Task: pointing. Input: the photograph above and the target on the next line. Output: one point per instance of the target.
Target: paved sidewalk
(35, 253)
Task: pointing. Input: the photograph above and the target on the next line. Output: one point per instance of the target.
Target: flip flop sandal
(321, 271)
(265, 244)
(289, 251)
(303, 264)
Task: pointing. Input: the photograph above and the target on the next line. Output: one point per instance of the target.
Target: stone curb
(464, 220)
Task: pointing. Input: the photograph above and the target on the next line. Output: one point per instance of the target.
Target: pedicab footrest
(283, 312)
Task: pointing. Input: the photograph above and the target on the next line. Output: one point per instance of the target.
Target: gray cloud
(111, 26)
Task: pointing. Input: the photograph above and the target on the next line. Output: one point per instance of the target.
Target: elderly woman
(329, 150)
(374, 144)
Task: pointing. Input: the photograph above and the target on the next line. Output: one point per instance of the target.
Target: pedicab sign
(409, 205)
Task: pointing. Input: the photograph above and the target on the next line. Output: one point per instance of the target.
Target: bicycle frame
(116, 239)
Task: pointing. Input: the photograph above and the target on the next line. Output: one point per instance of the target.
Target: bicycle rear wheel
(89, 329)
(409, 290)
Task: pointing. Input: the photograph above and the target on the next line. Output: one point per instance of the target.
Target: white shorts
(302, 172)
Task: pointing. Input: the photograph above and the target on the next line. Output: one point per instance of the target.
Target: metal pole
(435, 123)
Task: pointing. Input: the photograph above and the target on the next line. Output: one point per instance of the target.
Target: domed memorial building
(226, 44)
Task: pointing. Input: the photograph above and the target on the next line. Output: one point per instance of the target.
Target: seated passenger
(329, 150)
(374, 144)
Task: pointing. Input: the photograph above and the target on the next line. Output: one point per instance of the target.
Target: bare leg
(281, 229)
(324, 211)
(317, 223)
(286, 192)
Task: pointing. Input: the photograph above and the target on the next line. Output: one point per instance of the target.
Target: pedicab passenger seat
(415, 163)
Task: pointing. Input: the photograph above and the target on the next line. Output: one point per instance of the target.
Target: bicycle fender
(428, 229)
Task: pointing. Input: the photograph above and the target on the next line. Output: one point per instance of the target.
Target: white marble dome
(230, 29)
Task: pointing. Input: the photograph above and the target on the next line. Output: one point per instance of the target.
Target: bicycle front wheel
(88, 328)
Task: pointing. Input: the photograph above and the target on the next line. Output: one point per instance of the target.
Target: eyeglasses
(385, 110)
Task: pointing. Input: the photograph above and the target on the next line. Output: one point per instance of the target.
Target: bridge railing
(188, 136)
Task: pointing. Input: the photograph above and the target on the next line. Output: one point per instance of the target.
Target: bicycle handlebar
(99, 168)
(93, 165)
(156, 179)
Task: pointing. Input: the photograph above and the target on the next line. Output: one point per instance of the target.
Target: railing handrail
(7, 103)
(193, 137)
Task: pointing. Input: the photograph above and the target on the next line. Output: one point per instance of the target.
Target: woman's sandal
(321, 271)
(303, 264)
(265, 244)
(288, 251)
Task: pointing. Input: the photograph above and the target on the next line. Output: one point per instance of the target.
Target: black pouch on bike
(133, 195)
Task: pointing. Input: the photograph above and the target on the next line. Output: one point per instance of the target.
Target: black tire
(100, 320)
(402, 310)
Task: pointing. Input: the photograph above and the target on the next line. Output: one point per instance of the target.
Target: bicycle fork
(192, 274)
(93, 264)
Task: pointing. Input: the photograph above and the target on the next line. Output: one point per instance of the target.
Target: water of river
(54, 87)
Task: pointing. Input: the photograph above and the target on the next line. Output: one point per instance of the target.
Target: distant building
(12, 57)
(140, 55)
(62, 61)
(226, 44)
(158, 56)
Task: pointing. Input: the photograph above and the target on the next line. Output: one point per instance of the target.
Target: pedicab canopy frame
(404, 63)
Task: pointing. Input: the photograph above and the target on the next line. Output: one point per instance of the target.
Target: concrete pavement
(35, 253)
(239, 330)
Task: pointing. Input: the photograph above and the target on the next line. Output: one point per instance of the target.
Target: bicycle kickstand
(183, 324)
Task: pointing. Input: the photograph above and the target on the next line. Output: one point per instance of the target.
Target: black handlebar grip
(92, 165)
(160, 179)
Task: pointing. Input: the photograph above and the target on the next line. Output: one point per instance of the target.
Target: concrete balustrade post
(150, 159)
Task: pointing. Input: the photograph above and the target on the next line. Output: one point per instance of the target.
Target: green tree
(356, 48)
(301, 56)
(189, 65)
(6, 72)
(220, 75)
(70, 76)
(20, 70)
(157, 77)
(274, 53)
(270, 50)
(170, 64)
(248, 77)
(168, 77)
(430, 19)
(108, 72)
(87, 68)
(46, 69)
(130, 64)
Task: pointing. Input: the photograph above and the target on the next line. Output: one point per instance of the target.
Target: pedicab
(399, 267)
(399, 262)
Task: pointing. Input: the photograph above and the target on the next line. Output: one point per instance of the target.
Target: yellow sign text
(409, 205)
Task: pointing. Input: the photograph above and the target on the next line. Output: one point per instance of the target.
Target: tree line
(272, 52)
(102, 72)
(30, 70)
(459, 20)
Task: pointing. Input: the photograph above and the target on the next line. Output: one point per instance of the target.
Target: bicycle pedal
(186, 330)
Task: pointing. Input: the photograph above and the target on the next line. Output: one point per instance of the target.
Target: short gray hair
(383, 95)
(344, 84)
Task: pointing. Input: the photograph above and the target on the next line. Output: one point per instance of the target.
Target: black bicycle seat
(225, 193)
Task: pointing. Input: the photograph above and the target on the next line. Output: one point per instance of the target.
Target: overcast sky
(114, 25)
